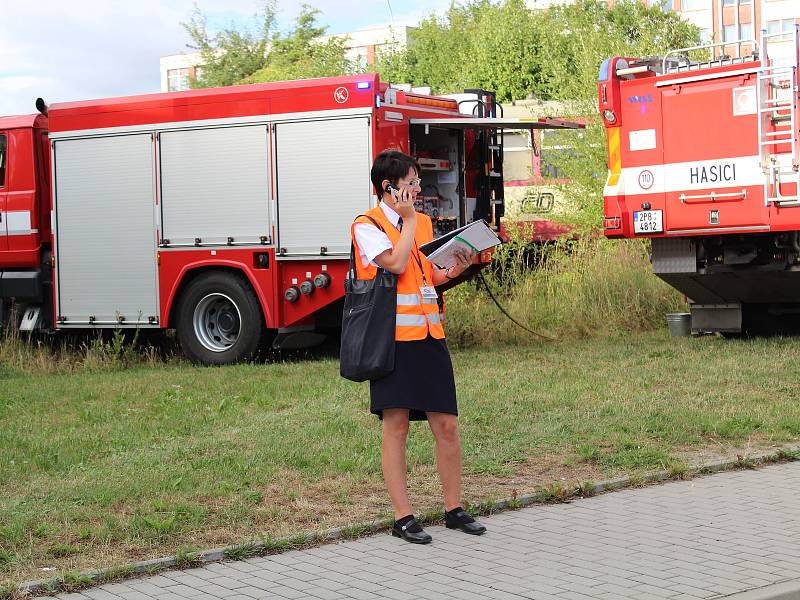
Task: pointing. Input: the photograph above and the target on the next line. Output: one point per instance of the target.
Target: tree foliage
(263, 53)
(517, 51)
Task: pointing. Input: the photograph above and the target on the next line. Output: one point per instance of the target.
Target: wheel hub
(217, 321)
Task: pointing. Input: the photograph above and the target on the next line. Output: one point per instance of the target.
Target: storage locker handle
(714, 197)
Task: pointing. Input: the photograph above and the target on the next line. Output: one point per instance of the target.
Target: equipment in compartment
(438, 151)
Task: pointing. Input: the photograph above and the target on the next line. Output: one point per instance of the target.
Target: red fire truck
(703, 159)
(223, 213)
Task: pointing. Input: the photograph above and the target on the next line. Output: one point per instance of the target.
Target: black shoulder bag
(368, 322)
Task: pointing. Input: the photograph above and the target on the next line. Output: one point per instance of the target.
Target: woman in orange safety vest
(422, 384)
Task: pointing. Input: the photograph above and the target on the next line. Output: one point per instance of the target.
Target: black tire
(230, 325)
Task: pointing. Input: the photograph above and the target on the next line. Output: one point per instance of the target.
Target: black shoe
(459, 519)
(411, 531)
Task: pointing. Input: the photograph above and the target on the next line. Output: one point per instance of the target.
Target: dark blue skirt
(422, 381)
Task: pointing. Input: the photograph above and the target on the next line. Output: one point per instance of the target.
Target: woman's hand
(464, 258)
(403, 202)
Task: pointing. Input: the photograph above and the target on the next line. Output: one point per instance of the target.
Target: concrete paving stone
(356, 594)
(261, 582)
(241, 566)
(366, 586)
(476, 594)
(287, 558)
(652, 592)
(118, 588)
(425, 593)
(329, 584)
(501, 595)
(135, 595)
(145, 587)
(289, 572)
(215, 590)
(182, 590)
(574, 595)
(185, 578)
(374, 577)
(253, 592)
(303, 585)
(267, 564)
(755, 579)
(286, 592)
(326, 595)
(226, 581)
(100, 593)
(690, 590)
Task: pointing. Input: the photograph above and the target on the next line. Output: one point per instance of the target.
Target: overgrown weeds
(574, 288)
(71, 352)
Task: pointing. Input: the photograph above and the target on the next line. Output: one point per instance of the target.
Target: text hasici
(713, 174)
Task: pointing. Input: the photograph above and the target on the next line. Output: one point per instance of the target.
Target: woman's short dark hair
(392, 165)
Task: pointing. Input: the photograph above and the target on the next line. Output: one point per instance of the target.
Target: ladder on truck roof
(777, 92)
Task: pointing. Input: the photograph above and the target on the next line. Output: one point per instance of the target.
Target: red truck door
(711, 155)
(3, 190)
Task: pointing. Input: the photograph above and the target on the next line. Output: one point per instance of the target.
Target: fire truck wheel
(219, 319)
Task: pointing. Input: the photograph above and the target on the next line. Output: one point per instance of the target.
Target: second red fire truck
(704, 159)
(223, 213)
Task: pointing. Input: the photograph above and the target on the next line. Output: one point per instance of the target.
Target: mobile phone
(392, 187)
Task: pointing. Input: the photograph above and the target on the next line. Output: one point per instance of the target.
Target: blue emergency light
(363, 85)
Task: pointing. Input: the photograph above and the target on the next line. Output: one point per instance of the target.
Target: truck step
(30, 318)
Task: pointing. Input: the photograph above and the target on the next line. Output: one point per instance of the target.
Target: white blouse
(371, 240)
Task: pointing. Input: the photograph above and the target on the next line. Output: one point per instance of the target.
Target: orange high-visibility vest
(416, 316)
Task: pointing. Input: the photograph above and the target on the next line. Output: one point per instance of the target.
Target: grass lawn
(104, 466)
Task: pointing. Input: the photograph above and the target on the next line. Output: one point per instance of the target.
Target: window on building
(729, 33)
(777, 26)
(773, 26)
(177, 80)
(664, 5)
(2, 160)
(693, 4)
(704, 37)
(745, 31)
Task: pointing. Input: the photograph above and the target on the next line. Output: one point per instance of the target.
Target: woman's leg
(448, 456)
(393, 459)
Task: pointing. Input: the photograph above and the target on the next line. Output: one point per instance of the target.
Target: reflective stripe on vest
(413, 300)
(416, 316)
(419, 320)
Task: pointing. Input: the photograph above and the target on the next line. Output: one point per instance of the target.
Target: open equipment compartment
(439, 150)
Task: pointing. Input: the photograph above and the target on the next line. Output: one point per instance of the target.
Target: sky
(64, 50)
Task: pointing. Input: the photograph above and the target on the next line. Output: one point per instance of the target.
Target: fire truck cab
(224, 213)
(704, 160)
(24, 213)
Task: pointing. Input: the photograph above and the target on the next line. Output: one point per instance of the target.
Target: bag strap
(351, 272)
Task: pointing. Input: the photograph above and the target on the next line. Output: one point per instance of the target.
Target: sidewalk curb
(71, 583)
(785, 590)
